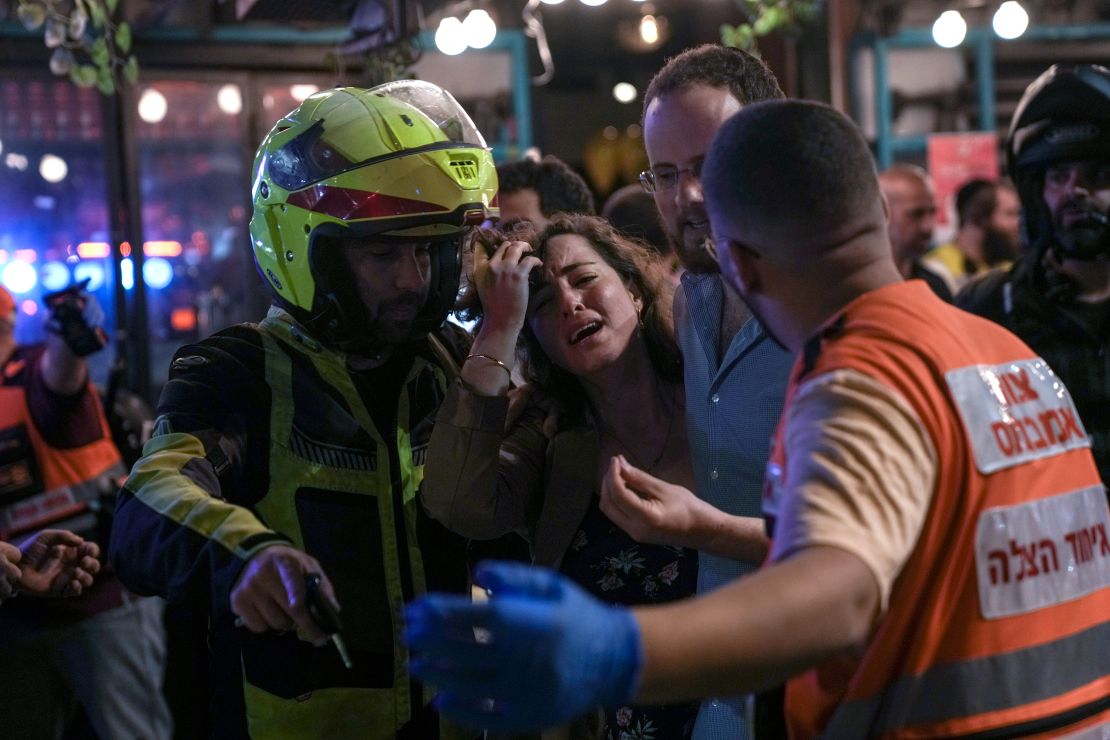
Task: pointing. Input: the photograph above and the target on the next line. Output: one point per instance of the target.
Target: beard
(390, 326)
(697, 256)
(1086, 238)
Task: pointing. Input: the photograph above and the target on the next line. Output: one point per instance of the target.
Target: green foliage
(90, 48)
(768, 16)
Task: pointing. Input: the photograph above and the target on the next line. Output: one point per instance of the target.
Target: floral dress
(612, 566)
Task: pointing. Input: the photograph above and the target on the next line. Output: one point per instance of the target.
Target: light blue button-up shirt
(732, 407)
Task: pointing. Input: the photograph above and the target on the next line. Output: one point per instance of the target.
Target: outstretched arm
(549, 651)
(759, 630)
(75, 329)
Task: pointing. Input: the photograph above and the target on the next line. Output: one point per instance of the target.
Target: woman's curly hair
(637, 264)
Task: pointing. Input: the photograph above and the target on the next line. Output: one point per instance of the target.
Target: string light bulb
(479, 28)
(450, 36)
(1010, 20)
(949, 29)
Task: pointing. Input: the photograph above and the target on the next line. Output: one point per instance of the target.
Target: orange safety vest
(42, 485)
(999, 622)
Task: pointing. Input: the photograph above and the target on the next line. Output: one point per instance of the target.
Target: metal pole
(126, 224)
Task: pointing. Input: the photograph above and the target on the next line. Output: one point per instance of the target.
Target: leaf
(31, 15)
(55, 33)
(99, 52)
(104, 81)
(131, 70)
(78, 21)
(123, 37)
(111, 6)
(61, 61)
(83, 75)
(96, 12)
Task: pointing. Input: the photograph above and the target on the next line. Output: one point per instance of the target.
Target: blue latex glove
(546, 651)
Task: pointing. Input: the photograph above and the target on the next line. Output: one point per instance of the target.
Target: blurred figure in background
(988, 220)
(912, 214)
(1057, 296)
(535, 191)
(59, 469)
(631, 210)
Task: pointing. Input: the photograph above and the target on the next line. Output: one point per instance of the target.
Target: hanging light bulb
(592, 2)
(949, 29)
(230, 99)
(1010, 20)
(551, 2)
(624, 92)
(649, 29)
(152, 105)
(53, 168)
(450, 37)
(479, 28)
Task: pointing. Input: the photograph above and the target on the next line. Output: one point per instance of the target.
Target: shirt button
(714, 474)
(714, 703)
(716, 398)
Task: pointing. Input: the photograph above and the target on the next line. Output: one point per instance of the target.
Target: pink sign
(956, 158)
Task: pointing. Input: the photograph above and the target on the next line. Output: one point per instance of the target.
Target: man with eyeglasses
(735, 373)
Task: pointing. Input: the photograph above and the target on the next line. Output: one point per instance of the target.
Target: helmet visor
(391, 120)
(439, 106)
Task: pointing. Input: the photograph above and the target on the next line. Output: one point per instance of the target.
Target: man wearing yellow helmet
(296, 446)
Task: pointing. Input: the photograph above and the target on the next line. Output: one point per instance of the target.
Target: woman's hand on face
(502, 283)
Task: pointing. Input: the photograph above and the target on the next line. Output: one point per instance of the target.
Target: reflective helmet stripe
(347, 204)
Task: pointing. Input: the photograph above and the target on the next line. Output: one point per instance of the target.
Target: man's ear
(745, 267)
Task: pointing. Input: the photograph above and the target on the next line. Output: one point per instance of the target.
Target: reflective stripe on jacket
(999, 622)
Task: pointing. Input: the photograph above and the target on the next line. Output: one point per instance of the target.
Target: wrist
(702, 526)
(621, 679)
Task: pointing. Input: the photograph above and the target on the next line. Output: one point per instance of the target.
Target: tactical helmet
(1063, 115)
(399, 162)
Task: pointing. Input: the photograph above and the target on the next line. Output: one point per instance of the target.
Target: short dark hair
(747, 77)
(975, 202)
(794, 169)
(631, 210)
(561, 189)
(635, 263)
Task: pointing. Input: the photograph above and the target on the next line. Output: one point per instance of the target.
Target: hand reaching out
(57, 563)
(647, 508)
(652, 510)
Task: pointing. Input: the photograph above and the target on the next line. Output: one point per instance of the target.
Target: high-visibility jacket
(50, 477)
(999, 622)
(265, 436)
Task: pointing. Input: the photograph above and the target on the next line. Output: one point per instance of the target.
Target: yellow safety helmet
(402, 161)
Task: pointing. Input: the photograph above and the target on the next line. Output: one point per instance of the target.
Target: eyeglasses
(665, 176)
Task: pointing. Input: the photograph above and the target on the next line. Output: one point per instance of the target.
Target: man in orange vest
(103, 649)
(940, 563)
